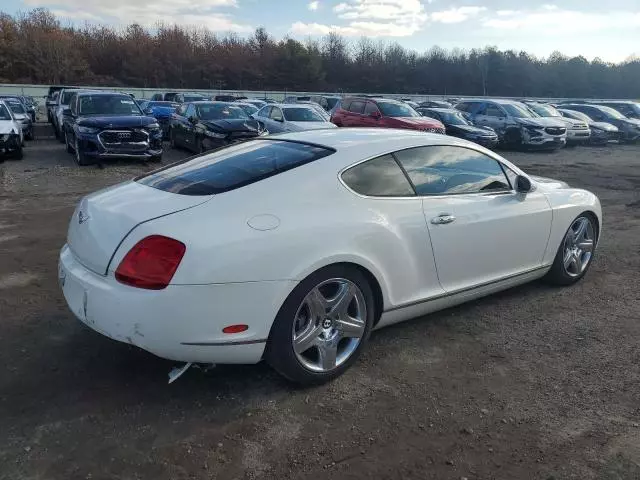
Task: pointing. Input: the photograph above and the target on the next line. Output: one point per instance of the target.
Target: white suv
(515, 124)
(577, 130)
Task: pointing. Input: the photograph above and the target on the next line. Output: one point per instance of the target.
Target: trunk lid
(104, 218)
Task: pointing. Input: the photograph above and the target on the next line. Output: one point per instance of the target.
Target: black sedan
(457, 125)
(202, 126)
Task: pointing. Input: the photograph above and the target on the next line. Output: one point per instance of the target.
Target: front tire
(81, 158)
(575, 253)
(322, 326)
(18, 153)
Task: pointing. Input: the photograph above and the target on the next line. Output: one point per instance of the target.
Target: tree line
(36, 48)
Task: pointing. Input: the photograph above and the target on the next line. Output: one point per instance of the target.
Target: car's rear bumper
(180, 322)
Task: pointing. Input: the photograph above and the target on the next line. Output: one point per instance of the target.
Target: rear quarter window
(233, 167)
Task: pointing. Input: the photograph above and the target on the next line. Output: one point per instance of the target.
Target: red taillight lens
(151, 263)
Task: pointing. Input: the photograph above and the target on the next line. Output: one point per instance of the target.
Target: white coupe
(293, 248)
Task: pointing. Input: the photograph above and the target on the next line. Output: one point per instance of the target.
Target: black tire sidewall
(557, 274)
(279, 351)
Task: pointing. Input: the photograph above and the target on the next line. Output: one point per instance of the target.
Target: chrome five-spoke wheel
(579, 243)
(329, 324)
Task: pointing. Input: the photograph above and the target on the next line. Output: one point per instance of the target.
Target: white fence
(40, 92)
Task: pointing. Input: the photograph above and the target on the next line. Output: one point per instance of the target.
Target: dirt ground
(533, 383)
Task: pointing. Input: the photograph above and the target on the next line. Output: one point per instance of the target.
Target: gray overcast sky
(609, 30)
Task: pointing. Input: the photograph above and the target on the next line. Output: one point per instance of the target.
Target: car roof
(440, 109)
(366, 142)
(374, 99)
(101, 92)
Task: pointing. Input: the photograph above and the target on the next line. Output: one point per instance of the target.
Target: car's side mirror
(523, 184)
(193, 119)
(67, 112)
(375, 115)
(148, 111)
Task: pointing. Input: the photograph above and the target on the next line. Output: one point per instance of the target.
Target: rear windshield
(233, 167)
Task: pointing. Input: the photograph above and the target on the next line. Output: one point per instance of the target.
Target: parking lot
(535, 382)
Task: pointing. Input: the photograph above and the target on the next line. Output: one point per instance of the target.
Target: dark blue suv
(100, 125)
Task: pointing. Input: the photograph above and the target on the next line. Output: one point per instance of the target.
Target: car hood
(541, 122)
(632, 121)
(607, 127)
(234, 125)
(569, 122)
(470, 129)
(414, 122)
(8, 126)
(115, 121)
(21, 116)
(547, 184)
(311, 125)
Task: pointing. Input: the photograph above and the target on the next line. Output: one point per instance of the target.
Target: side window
(357, 106)
(370, 108)
(264, 112)
(323, 103)
(276, 114)
(448, 170)
(380, 177)
(180, 110)
(493, 111)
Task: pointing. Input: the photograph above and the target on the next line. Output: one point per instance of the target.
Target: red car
(382, 112)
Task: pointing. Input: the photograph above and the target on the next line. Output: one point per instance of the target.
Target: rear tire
(338, 322)
(575, 253)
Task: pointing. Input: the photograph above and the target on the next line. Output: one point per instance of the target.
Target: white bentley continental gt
(294, 248)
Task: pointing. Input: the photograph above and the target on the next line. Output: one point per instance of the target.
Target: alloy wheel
(329, 325)
(578, 246)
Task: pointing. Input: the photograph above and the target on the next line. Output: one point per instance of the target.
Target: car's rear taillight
(151, 263)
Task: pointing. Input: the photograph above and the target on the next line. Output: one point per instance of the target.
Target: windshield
(4, 113)
(16, 107)
(212, 111)
(544, 110)
(517, 110)
(331, 102)
(393, 109)
(608, 110)
(194, 98)
(576, 115)
(299, 114)
(107, 105)
(452, 118)
(248, 108)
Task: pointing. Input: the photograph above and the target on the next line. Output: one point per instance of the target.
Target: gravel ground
(535, 382)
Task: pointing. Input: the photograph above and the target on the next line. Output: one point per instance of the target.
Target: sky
(592, 28)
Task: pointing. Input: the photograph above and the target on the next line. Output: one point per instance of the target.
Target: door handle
(443, 219)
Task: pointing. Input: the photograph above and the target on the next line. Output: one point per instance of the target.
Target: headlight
(5, 137)
(215, 134)
(533, 129)
(153, 126)
(264, 132)
(82, 129)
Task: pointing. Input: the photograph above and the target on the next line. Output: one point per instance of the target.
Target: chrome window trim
(496, 192)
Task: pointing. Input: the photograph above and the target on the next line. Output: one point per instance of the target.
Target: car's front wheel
(81, 157)
(322, 326)
(575, 253)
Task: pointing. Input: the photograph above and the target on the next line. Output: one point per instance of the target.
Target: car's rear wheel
(172, 139)
(323, 325)
(575, 253)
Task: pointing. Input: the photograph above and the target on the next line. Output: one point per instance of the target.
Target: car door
(277, 120)
(481, 229)
(490, 115)
(189, 130)
(178, 124)
(355, 115)
(371, 116)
